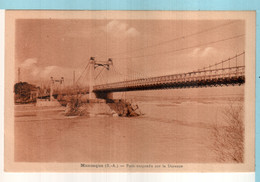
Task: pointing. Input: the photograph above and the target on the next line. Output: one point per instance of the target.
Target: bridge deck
(203, 78)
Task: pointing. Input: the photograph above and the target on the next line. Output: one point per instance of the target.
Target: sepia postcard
(129, 91)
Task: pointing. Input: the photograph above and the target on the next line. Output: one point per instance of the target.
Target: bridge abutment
(104, 95)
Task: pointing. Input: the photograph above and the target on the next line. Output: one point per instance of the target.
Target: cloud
(207, 51)
(203, 52)
(28, 63)
(133, 32)
(195, 51)
(117, 28)
(46, 71)
(32, 71)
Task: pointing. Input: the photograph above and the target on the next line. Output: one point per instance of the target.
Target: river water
(176, 128)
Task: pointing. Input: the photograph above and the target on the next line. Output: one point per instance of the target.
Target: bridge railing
(229, 72)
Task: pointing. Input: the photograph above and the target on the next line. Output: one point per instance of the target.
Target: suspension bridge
(227, 72)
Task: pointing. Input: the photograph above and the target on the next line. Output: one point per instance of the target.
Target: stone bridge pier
(104, 95)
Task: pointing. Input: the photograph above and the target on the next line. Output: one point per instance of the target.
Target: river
(176, 128)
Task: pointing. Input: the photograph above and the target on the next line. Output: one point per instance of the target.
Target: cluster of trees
(23, 90)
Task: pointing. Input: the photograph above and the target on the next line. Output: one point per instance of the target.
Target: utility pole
(61, 84)
(51, 89)
(74, 78)
(19, 74)
(91, 77)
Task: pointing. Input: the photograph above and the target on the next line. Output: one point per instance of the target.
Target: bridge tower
(93, 65)
(53, 81)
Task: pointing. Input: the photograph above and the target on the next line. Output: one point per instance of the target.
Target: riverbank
(46, 135)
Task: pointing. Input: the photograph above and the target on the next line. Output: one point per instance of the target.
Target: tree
(23, 90)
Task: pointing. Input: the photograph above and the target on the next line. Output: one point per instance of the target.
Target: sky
(139, 48)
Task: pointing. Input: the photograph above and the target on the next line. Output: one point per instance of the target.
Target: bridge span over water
(227, 72)
(205, 78)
